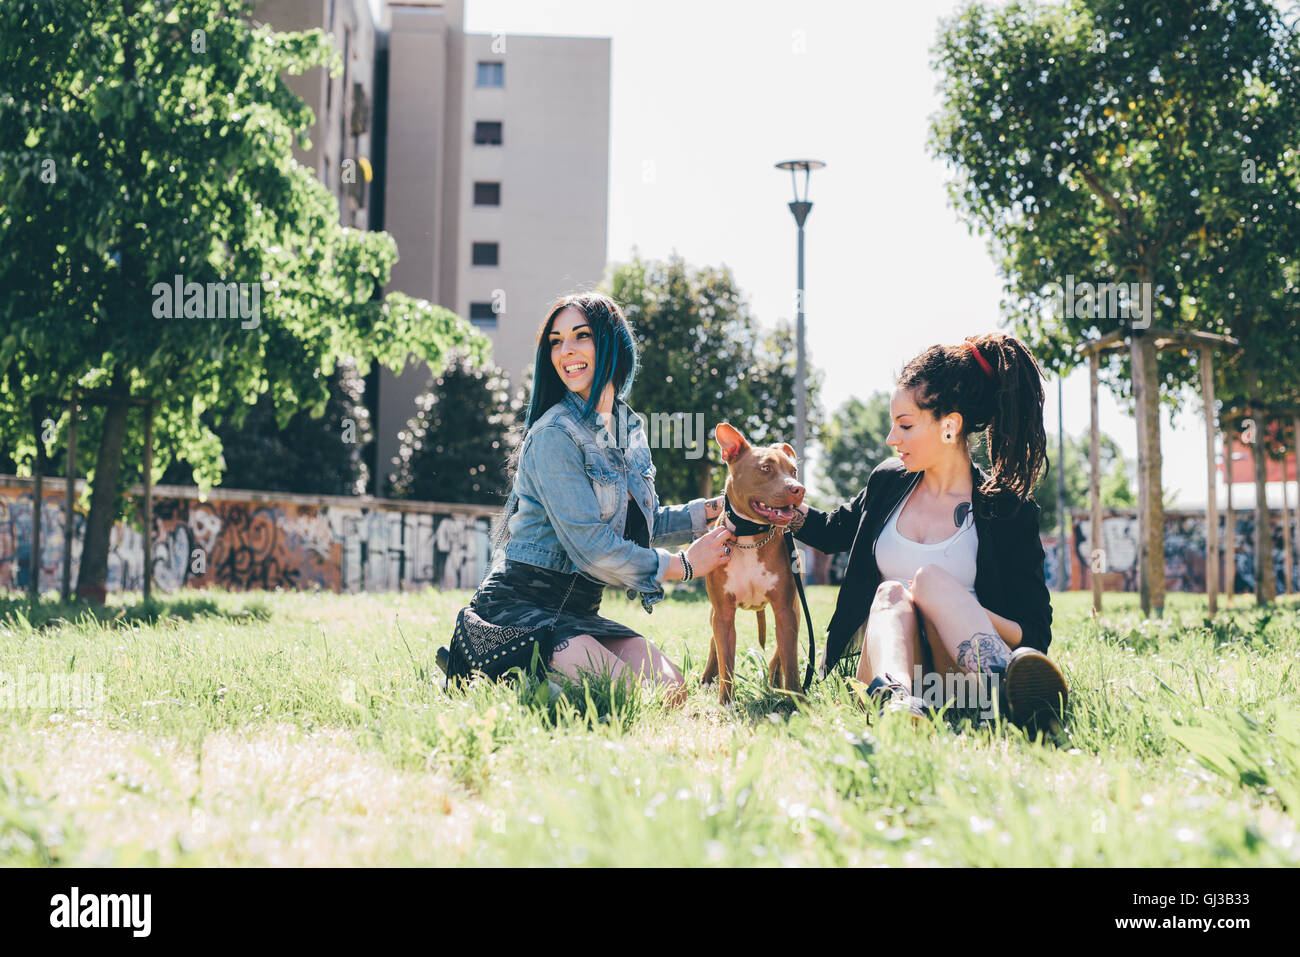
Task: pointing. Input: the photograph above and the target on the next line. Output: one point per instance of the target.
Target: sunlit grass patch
(302, 729)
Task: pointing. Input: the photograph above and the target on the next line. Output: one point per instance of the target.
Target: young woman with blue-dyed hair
(582, 513)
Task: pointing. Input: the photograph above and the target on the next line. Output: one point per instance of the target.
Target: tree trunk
(1151, 551)
(1285, 585)
(1229, 527)
(1265, 585)
(1295, 448)
(1211, 485)
(92, 576)
(38, 499)
(1097, 554)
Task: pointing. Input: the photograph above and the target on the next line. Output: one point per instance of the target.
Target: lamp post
(801, 207)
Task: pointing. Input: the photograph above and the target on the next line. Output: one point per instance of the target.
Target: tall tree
(1251, 290)
(145, 140)
(308, 456)
(704, 356)
(1101, 141)
(455, 447)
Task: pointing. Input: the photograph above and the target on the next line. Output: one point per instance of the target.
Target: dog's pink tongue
(783, 513)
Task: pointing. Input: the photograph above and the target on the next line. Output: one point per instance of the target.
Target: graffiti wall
(249, 543)
(242, 541)
(16, 561)
(1184, 552)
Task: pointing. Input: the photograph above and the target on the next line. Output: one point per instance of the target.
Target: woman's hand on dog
(711, 550)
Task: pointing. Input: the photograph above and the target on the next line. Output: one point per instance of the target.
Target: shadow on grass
(53, 614)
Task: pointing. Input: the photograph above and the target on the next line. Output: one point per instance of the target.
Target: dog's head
(762, 480)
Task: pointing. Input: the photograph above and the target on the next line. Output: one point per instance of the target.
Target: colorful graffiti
(16, 539)
(246, 545)
(233, 541)
(1185, 554)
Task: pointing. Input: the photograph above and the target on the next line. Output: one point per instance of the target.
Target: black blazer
(1009, 577)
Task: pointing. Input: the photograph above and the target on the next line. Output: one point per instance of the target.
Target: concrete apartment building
(343, 104)
(490, 156)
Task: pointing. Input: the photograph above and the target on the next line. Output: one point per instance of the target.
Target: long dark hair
(616, 361)
(615, 354)
(1007, 405)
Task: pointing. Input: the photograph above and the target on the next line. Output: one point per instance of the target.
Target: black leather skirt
(520, 595)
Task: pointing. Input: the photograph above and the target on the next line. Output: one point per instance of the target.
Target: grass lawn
(313, 729)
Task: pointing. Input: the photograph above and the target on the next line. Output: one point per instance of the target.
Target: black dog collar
(743, 526)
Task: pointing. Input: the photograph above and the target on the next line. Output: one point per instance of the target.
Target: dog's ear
(731, 441)
(789, 450)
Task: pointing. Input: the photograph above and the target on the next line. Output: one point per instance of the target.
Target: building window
(482, 314)
(487, 194)
(485, 254)
(487, 133)
(491, 74)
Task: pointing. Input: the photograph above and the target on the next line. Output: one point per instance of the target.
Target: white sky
(709, 94)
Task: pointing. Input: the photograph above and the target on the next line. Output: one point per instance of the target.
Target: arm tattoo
(982, 652)
(560, 646)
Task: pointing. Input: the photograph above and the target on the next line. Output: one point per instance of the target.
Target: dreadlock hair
(1007, 405)
(616, 361)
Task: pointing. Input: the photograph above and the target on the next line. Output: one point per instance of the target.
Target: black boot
(1034, 692)
(889, 693)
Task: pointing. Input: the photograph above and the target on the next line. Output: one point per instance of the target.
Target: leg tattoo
(982, 652)
(560, 645)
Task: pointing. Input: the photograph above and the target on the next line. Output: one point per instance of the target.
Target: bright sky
(709, 94)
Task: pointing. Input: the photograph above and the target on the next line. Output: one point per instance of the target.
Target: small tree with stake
(1105, 140)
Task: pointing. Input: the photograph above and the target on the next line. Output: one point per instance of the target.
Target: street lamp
(801, 207)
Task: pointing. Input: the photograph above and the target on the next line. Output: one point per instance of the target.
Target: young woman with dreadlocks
(945, 574)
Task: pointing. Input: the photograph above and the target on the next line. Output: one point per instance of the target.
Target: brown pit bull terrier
(763, 488)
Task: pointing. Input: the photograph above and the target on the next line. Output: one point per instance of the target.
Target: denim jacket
(572, 491)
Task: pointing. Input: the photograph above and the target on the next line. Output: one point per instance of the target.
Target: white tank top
(899, 557)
